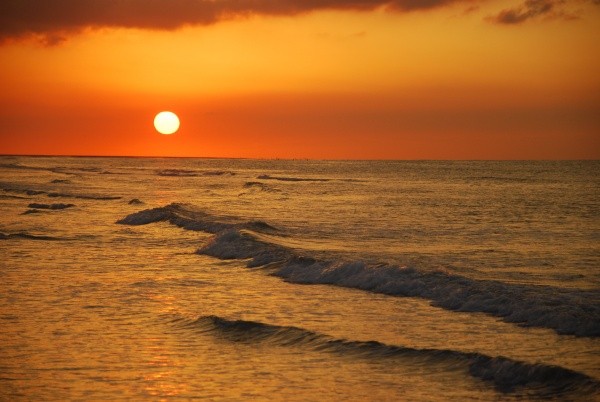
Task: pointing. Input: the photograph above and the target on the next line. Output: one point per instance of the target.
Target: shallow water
(92, 309)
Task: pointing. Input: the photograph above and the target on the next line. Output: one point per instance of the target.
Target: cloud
(536, 8)
(51, 19)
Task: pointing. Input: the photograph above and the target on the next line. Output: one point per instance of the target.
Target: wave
(218, 173)
(281, 178)
(186, 217)
(15, 165)
(23, 191)
(57, 169)
(34, 211)
(193, 173)
(11, 197)
(50, 206)
(566, 311)
(24, 235)
(261, 186)
(505, 374)
(84, 196)
(177, 173)
(500, 179)
(73, 171)
(59, 195)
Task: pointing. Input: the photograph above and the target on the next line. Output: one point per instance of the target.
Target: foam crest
(505, 374)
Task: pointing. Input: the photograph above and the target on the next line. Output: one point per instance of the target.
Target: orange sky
(413, 79)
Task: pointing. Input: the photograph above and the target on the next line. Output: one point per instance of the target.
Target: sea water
(142, 278)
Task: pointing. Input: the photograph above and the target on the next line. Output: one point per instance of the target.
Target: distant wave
(59, 195)
(193, 173)
(296, 179)
(218, 173)
(34, 211)
(280, 178)
(62, 181)
(16, 165)
(79, 170)
(177, 172)
(56, 169)
(23, 191)
(23, 235)
(84, 196)
(261, 186)
(9, 197)
(500, 179)
(50, 206)
(566, 311)
(505, 374)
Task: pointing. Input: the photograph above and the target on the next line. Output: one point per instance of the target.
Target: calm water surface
(374, 280)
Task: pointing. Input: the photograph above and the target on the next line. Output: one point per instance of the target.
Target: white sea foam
(566, 311)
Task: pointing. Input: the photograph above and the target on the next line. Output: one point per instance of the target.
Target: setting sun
(166, 122)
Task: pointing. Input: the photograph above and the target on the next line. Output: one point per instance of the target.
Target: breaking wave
(505, 374)
(186, 217)
(567, 311)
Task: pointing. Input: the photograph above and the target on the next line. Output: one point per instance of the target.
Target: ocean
(236, 279)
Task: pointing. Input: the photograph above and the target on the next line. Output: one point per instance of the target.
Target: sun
(166, 122)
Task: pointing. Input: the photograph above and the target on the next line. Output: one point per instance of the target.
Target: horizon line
(295, 159)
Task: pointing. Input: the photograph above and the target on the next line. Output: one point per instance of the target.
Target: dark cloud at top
(49, 18)
(52, 20)
(537, 8)
(531, 8)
